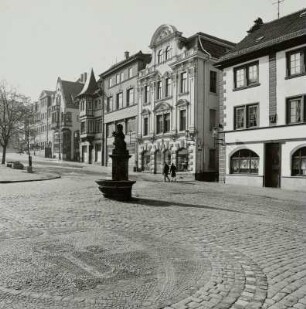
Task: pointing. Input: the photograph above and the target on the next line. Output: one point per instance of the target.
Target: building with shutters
(119, 84)
(178, 103)
(263, 106)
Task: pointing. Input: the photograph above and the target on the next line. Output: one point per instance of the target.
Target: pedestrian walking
(173, 172)
(166, 172)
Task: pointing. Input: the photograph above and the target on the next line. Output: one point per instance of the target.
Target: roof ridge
(277, 19)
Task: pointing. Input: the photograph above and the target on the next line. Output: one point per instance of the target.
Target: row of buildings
(212, 107)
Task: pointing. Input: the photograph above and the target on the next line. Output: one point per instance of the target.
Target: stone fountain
(119, 187)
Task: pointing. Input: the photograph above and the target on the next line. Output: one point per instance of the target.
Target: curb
(30, 180)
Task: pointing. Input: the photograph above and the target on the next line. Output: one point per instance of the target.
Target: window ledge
(246, 87)
(295, 75)
(244, 129)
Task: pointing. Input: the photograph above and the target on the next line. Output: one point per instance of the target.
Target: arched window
(299, 162)
(160, 56)
(167, 53)
(244, 161)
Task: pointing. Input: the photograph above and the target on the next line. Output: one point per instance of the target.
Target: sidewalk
(10, 175)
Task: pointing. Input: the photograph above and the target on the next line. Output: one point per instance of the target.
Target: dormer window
(160, 56)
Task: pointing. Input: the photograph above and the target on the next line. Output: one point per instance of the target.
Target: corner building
(263, 106)
(178, 103)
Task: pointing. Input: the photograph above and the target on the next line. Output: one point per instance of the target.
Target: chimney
(257, 24)
(126, 55)
(83, 78)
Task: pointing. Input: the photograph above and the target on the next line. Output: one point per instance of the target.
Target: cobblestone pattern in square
(180, 245)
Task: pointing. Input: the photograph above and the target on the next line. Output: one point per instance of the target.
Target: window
(213, 81)
(158, 90)
(296, 62)
(119, 100)
(117, 78)
(145, 126)
(168, 87)
(130, 72)
(110, 82)
(299, 162)
(110, 128)
(182, 120)
(163, 123)
(182, 160)
(160, 56)
(122, 76)
(82, 127)
(146, 90)
(131, 125)
(246, 75)
(246, 116)
(130, 96)
(99, 126)
(167, 53)
(159, 124)
(166, 122)
(244, 161)
(212, 119)
(109, 104)
(296, 110)
(91, 127)
(183, 82)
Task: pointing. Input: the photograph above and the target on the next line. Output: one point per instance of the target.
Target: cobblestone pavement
(176, 245)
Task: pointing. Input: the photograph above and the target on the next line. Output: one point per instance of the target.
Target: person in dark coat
(166, 172)
(173, 172)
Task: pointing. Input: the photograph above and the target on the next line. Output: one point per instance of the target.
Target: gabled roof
(212, 45)
(71, 90)
(265, 35)
(46, 93)
(90, 86)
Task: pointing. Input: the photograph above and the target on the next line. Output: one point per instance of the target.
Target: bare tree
(12, 115)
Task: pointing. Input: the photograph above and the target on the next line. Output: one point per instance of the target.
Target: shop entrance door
(272, 165)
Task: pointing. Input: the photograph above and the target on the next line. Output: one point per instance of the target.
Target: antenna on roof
(278, 2)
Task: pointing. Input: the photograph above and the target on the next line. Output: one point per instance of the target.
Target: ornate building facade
(178, 103)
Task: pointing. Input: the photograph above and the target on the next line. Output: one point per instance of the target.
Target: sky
(42, 40)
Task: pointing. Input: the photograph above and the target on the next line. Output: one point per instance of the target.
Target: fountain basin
(120, 190)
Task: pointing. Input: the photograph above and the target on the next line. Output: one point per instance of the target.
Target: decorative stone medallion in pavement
(108, 269)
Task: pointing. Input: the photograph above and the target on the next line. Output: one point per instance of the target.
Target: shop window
(146, 157)
(299, 162)
(244, 161)
(182, 160)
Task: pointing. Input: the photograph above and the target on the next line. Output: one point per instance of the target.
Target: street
(175, 245)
